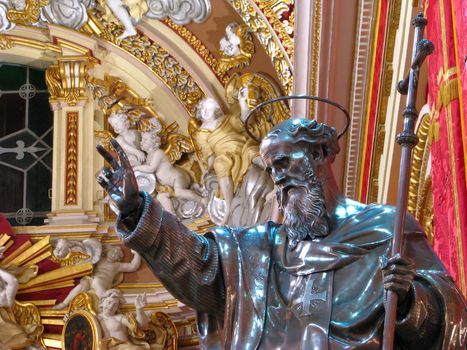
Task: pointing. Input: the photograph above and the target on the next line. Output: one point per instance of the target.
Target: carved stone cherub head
(209, 110)
(119, 122)
(111, 301)
(231, 29)
(114, 253)
(150, 141)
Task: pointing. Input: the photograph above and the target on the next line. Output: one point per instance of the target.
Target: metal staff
(407, 139)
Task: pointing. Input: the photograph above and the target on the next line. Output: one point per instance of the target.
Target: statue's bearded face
(299, 192)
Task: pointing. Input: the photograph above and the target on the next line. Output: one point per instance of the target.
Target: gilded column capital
(66, 80)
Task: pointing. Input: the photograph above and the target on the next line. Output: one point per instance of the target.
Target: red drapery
(447, 82)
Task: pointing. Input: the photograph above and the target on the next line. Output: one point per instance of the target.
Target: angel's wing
(177, 145)
(104, 136)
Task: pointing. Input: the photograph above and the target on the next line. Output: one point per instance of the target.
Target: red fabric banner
(446, 19)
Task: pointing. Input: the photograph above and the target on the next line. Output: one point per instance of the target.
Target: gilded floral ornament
(155, 57)
(268, 39)
(281, 16)
(66, 81)
(5, 43)
(236, 47)
(114, 95)
(27, 15)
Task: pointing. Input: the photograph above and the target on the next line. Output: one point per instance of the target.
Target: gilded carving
(114, 95)
(5, 43)
(29, 15)
(281, 15)
(236, 47)
(155, 57)
(420, 202)
(71, 160)
(247, 91)
(83, 301)
(385, 92)
(20, 323)
(316, 45)
(269, 41)
(66, 81)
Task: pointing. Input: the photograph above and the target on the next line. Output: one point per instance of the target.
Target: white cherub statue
(116, 326)
(158, 163)
(103, 275)
(91, 247)
(230, 43)
(12, 334)
(127, 138)
(128, 12)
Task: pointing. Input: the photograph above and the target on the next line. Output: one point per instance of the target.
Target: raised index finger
(121, 154)
(107, 156)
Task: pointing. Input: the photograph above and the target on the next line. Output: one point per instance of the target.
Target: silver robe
(242, 281)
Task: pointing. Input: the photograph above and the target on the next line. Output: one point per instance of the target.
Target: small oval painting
(81, 332)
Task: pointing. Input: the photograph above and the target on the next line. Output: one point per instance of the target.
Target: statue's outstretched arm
(186, 263)
(131, 266)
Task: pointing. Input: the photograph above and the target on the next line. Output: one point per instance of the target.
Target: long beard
(305, 213)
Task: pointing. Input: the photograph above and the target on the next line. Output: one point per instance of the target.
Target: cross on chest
(308, 296)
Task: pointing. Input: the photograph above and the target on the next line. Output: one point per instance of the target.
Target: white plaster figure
(230, 43)
(127, 138)
(158, 163)
(91, 247)
(118, 331)
(122, 10)
(12, 334)
(18, 5)
(114, 324)
(227, 149)
(8, 288)
(103, 275)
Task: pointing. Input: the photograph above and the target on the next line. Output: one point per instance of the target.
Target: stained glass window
(26, 135)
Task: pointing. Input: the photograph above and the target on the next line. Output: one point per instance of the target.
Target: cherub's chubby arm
(151, 167)
(133, 265)
(11, 287)
(141, 317)
(131, 148)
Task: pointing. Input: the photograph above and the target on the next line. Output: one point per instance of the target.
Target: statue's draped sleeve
(188, 264)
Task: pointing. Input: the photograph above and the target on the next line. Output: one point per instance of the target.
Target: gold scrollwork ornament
(237, 47)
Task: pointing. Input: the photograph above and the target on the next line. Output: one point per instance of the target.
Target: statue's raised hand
(119, 181)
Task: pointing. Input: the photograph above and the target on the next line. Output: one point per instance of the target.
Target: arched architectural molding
(44, 48)
(186, 54)
(259, 24)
